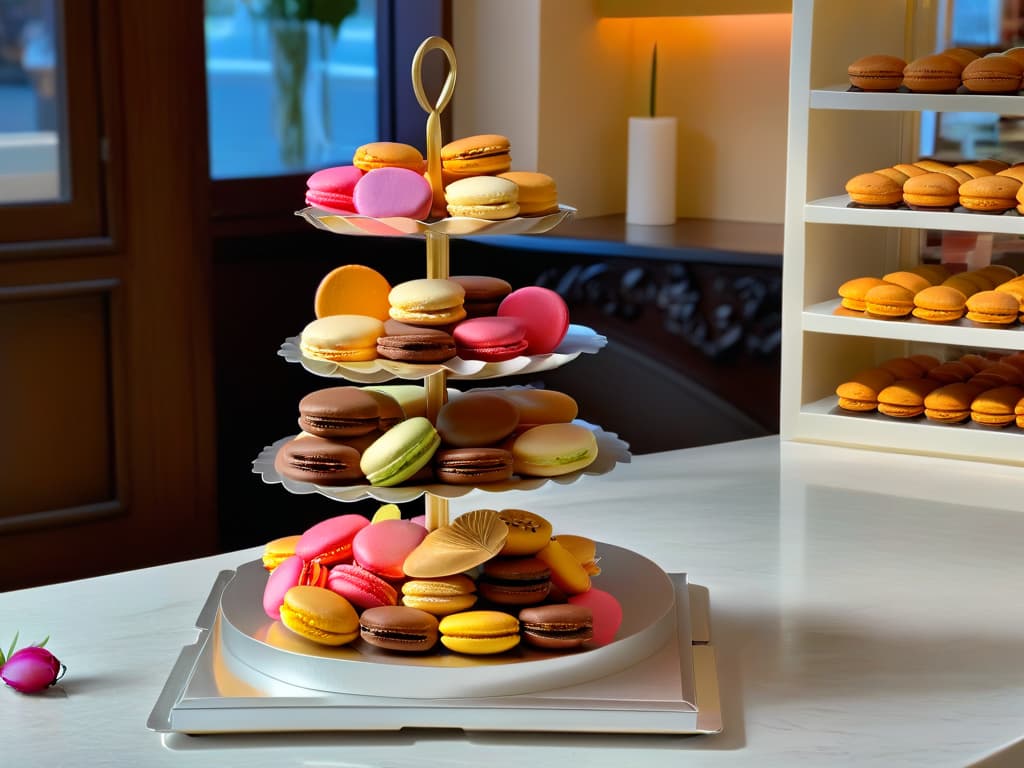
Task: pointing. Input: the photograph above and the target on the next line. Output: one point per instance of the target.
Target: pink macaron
(383, 547)
(292, 572)
(491, 339)
(329, 542)
(360, 587)
(544, 316)
(607, 612)
(387, 192)
(331, 188)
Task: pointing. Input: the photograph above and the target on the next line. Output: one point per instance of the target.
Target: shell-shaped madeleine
(471, 539)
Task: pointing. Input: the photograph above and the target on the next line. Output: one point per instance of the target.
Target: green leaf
(42, 644)
(14, 643)
(654, 80)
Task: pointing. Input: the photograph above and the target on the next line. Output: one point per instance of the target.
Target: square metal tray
(673, 691)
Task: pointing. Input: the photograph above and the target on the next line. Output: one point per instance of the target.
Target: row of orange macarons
(988, 391)
(991, 296)
(984, 186)
(942, 72)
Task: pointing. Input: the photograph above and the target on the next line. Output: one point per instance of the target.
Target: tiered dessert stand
(246, 673)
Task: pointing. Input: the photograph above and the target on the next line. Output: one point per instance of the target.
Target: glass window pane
(291, 84)
(33, 165)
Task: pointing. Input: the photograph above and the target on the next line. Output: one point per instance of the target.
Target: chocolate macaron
(339, 412)
(556, 627)
(312, 459)
(415, 344)
(483, 294)
(514, 581)
(473, 466)
(398, 628)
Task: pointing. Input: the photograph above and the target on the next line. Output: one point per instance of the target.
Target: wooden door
(106, 391)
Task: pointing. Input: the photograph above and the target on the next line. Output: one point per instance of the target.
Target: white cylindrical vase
(651, 171)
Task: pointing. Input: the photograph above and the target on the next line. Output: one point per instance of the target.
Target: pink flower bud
(31, 669)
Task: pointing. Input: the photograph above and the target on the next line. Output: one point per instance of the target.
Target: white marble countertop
(867, 610)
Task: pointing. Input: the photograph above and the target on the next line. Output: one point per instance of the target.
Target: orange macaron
(877, 72)
(989, 194)
(931, 190)
(889, 300)
(939, 304)
(935, 73)
(904, 399)
(996, 407)
(853, 292)
(873, 190)
(993, 308)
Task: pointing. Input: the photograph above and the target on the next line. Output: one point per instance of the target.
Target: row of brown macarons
(943, 72)
(982, 186)
(991, 296)
(987, 390)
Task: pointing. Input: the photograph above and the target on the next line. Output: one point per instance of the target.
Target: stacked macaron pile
(480, 586)
(990, 296)
(987, 390)
(361, 317)
(954, 70)
(980, 186)
(389, 179)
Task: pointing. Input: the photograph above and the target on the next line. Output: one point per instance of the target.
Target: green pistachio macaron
(400, 452)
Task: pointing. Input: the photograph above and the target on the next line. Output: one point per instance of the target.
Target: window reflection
(32, 166)
(291, 84)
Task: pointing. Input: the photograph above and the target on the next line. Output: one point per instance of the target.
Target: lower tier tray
(658, 676)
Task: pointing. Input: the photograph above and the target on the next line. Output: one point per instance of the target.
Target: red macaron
(491, 339)
(543, 313)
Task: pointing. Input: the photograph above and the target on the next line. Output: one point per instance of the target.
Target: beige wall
(561, 83)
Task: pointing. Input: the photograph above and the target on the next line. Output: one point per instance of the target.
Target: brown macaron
(976, 362)
(473, 466)
(993, 308)
(989, 194)
(996, 407)
(951, 403)
(904, 399)
(873, 190)
(997, 375)
(934, 73)
(939, 304)
(889, 301)
(339, 412)
(476, 420)
(398, 628)
(483, 293)
(514, 581)
(311, 459)
(852, 292)
(931, 190)
(992, 74)
(877, 72)
(414, 343)
(556, 627)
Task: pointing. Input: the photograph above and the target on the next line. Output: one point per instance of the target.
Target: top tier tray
(454, 226)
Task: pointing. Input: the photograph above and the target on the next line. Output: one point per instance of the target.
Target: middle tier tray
(611, 450)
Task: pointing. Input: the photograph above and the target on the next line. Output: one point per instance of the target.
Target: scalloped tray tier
(455, 226)
(611, 450)
(579, 339)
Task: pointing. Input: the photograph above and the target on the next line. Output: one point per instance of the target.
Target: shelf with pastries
(822, 317)
(841, 97)
(837, 210)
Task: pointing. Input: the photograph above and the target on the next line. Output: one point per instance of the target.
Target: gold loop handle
(434, 43)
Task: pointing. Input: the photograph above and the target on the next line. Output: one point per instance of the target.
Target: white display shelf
(836, 210)
(841, 97)
(820, 318)
(823, 421)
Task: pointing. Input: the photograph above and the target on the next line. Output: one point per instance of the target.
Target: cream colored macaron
(483, 197)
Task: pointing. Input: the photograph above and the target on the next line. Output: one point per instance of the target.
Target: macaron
(877, 72)
(516, 581)
(353, 289)
(973, 170)
(853, 292)
(567, 573)
(393, 192)
(320, 615)
(426, 301)
(933, 273)
(330, 189)
(912, 281)
(996, 407)
(951, 372)
(962, 56)
(476, 420)
(902, 368)
(479, 632)
(293, 571)
(382, 548)
(312, 459)
(992, 164)
(997, 375)
(950, 403)
(976, 362)
(606, 611)
(341, 338)
(398, 628)
(388, 154)
(543, 313)
(556, 627)
(908, 169)
(528, 532)
(939, 304)
(389, 410)
(359, 586)
(583, 549)
(1014, 172)
(989, 194)
(440, 596)
(874, 190)
(993, 308)
(898, 176)
(541, 406)
(860, 393)
(278, 550)
(538, 193)
(491, 339)
(550, 450)
(935, 73)
(931, 190)
(485, 153)
(329, 542)
(483, 293)
(889, 301)
(999, 273)
(400, 452)
(905, 399)
(471, 539)
(473, 466)
(483, 197)
(962, 283)
(924, 361)
(339, 412)
(992, 74)
(415, 344)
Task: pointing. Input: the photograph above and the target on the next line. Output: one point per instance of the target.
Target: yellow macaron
(479, 633)
(320, 615)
